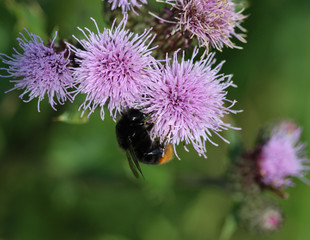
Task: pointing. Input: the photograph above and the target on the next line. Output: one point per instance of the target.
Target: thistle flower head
(113, 65)
(186, 101)
(213, 22)
(127, 5)
(282, 156)
(40, 70)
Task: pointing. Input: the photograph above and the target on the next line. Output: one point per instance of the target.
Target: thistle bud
(261, 215)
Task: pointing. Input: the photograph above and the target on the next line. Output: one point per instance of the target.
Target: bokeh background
(71, 181)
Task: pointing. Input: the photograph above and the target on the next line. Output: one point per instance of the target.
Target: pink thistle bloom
(127, 5)
(113, 66)
(213, 22)
(40, 70)
(186, 101)
(281, 157)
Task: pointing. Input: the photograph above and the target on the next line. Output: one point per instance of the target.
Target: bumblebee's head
(134, 115)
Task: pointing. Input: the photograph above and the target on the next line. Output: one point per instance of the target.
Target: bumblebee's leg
(163, 144)
(149, 127)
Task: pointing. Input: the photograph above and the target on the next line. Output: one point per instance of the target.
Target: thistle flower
(113, 66)
(282, 156)
(39, 70)
(186, 101)
(127, 5)
(213, 22)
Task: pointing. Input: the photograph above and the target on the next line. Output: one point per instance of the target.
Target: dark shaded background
(62, 181)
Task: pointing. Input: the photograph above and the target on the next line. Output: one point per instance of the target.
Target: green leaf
(229, 227)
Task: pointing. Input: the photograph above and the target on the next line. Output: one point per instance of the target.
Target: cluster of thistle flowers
(185, 99)
(277, 157)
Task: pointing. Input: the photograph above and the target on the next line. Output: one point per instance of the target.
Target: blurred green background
(66, 181)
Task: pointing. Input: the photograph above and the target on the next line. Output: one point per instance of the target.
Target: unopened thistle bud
(260, 214)
(167, 38)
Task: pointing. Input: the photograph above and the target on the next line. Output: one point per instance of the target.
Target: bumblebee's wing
(133, 162)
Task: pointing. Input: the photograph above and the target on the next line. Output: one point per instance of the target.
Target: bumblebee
(133, 135)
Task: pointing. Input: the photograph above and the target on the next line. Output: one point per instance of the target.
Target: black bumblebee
(132, 132)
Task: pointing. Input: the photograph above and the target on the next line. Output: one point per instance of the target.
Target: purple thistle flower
(213, 22)
(282, 156)
(112, 67)
(40, 70)
(127, 5)
(186, 102)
